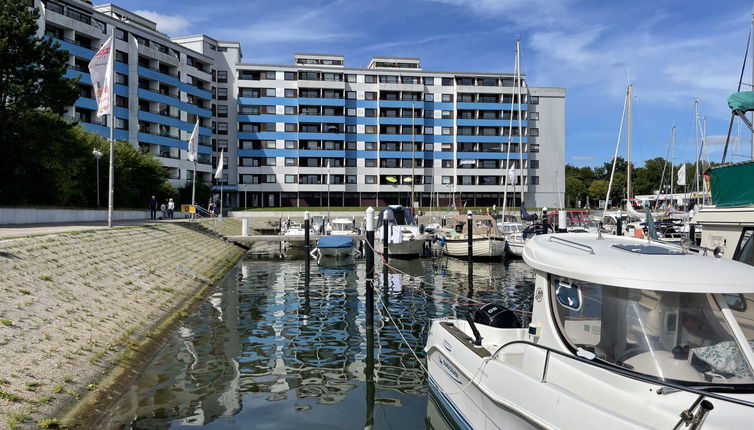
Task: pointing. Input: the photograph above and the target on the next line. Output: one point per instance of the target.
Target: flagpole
(111, 180)
(193, 189)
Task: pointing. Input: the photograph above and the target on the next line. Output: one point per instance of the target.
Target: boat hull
(482, 247)
(404, 249)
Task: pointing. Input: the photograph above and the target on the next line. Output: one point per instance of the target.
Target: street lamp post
(97, 154)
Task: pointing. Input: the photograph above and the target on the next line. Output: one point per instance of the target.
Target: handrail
(572, 244)
(624, 372)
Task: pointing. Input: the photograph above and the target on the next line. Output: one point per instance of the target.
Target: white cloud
(579, 158)
(173, 25)
(523, 13)
(295, 25)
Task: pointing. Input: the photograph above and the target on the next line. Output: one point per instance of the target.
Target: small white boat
(342, 226)
(625, 334)
(514, 236)
(405, 238)
(296, 230)
(336, 248)
(487, 241)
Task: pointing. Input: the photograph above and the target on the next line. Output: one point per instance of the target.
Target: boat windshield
(342, 226)
(670, 335)
(512, 228)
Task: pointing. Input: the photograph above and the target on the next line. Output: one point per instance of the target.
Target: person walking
(153, 208)
(164, 210)
(171, 208)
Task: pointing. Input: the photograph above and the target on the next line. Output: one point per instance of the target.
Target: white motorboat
(342, 226)
(625, 334)
(487, 241)
(405, 238)
(296, 231)
(335, 248)
(513, 232)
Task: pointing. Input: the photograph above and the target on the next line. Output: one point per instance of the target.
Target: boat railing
(572, 244)
(667, 387)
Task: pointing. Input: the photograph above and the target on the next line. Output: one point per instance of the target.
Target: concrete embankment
(80, 312)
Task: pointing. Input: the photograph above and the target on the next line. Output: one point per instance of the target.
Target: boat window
(669, 335)
(568, 295)
(745, 250)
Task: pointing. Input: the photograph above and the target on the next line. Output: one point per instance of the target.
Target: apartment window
(289, 76)
(370, 79)
(351, 146)
(222, 76)
(427, 179)
(121, 79)
(350, 78)
(121, 56)
(290, 127)
(370, 146)
(429, 147)
(447, 114)
(429, 81)
(447, 163)
(446, 147)
(268, 92)
(533, 116)
(222, 94)
(291, 179)
(370, 95)
(533, 132)
(370, 179)
(290, 161)
(222, 128)
(351, 179)
(534, 164)
(120, 34)
(351, 95)
(270, 161)
(351, 112)
(221, 111)
(268, 144)
(429, 130)
(269, 75)
(269, 179)
(291, 144)
(447, 131)
(446, 98)
(446, 82)
(534, 100)
(121, 123)
(429, 97)
(290, 110)
(290, 92)
(370, 162)
(533, 147)
(534, 180)
(446, 180)
(350, 162)
(222, 143)
(370, 112)
(350, 128)
(370, 129)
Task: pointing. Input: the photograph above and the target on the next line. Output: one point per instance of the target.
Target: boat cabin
(483, 225)
(646, 307)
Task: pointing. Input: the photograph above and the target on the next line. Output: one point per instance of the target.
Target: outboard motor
(496, 315)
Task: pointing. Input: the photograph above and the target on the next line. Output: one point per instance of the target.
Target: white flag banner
(512, 175)
(682, 175)
(219, 172)
(193, 143)
(101, 70)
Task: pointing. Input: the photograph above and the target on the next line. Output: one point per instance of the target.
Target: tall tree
(33, 95)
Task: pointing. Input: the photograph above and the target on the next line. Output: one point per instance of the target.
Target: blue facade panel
(370, 104)
(104, 131)
(321, 102)
(265, 101)
(502, 139)
(418, 104)
(438, 105)
(490, 122)
(162, 140)
(157, 97)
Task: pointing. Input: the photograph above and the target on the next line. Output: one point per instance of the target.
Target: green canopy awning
(732, 184)
(742, 101)
(391, 179)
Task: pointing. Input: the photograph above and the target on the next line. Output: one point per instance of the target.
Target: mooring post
(307, 245)
(369, 256)
(545, 227)
(692, 233)
(470, 243)
(385, 236)
(562, 221)
(244, 226)
(619, 225)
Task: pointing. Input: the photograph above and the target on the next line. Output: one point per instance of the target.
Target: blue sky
(676, 51)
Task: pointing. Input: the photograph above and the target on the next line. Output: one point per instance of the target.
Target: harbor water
(277, 348)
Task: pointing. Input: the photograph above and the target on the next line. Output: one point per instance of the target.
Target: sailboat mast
(672, 149)
(506, 176)
(752, 77)
(628, 144)
(696, 142)
(520, 129)
(413, 149)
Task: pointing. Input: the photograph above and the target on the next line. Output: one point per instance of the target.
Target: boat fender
(496, 315)
(639, 233)
(421, 228)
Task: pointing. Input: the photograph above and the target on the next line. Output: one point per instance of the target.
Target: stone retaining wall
(76, 305)
(43, 216)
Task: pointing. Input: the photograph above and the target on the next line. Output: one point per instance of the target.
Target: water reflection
(279, 347)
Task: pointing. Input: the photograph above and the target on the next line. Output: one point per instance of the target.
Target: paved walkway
(20, 230)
